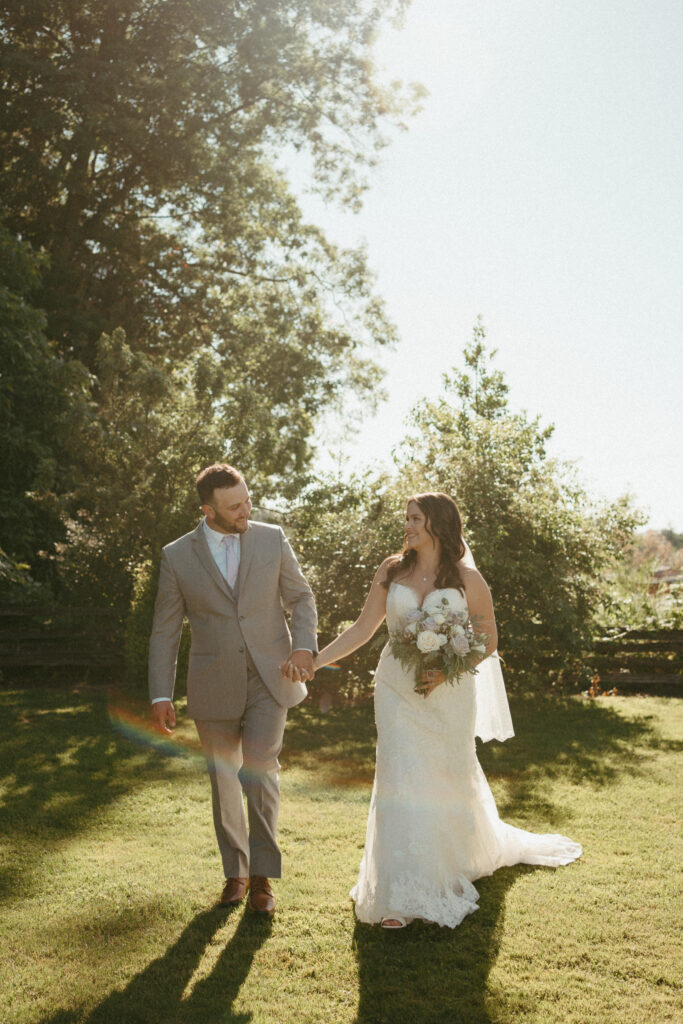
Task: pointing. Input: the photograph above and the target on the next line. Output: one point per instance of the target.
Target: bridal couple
(433, 827)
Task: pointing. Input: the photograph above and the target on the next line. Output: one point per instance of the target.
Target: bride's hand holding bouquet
(439, 644)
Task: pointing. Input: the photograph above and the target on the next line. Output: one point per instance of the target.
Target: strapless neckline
(438, 590)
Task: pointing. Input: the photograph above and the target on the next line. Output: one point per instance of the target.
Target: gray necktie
(231, 563)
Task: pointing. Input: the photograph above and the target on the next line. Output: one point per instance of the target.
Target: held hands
(298, 667)
(163, 712)
(431, 678)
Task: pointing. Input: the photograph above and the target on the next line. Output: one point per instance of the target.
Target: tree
(538, 537)
(636, 593)
(675, 539)
(540, 541)
(42, 403)
(656, 549)
(139, 147)
(148, 433)
(341, 529)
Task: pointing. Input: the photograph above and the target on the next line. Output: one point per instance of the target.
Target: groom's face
(229, 509)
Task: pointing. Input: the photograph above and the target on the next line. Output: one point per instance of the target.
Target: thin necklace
(425, 579)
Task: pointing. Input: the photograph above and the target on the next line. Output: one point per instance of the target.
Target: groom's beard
(229, 527)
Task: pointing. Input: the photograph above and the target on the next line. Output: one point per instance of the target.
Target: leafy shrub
(540, 541)
(139, 627)
(17, 586)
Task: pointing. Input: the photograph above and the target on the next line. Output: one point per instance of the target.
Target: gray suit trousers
(242, 757)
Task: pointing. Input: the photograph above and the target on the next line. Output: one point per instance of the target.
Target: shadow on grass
(578, 740)
(61, 764)
(338, 747)
(155, 996)
(432, 975)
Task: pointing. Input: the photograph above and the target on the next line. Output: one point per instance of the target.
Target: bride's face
(415, 530)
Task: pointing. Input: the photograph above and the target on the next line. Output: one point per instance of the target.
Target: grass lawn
(109, 872)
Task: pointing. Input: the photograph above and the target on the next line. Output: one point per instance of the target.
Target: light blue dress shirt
(217, 547)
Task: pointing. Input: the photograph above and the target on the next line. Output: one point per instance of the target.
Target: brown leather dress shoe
(233, 892)
(261, 899)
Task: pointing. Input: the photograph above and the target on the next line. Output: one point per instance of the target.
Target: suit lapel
(207, 560)
(246, 555)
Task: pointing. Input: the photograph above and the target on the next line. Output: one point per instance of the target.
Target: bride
(433, 827)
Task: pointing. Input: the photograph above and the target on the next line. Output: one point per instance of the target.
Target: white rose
(428, 641)
(457, 630)
(439, 618)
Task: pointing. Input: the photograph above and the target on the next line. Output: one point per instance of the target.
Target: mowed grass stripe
(109, 873)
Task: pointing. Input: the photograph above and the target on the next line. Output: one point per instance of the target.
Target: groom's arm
(169, 612)
(298, 600)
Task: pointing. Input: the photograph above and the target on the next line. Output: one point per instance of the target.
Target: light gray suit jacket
(226, 623)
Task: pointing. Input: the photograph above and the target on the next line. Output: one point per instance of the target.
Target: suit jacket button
(241, 650)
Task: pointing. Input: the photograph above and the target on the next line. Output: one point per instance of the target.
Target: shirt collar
(215, 538)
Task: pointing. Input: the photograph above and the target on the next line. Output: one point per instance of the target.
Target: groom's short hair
(218, 475)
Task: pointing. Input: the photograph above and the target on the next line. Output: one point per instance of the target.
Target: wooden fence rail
(640, 659)
(60, 638)
(92, 638)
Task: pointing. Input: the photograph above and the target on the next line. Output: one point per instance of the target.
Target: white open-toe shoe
(395, 922)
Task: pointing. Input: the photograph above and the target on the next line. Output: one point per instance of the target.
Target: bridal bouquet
(438, 638)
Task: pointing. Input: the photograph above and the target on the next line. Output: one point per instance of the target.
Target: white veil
(493, 720)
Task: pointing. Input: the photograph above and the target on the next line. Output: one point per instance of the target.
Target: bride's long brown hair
(443, 522)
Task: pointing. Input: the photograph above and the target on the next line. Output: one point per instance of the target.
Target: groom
(232, 579)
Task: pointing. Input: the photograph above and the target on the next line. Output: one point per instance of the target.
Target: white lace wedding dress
(433, 827)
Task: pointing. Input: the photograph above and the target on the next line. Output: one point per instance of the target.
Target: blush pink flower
(460, 644)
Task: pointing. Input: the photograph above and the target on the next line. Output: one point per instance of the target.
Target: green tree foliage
(17, 587)
(540, 541)
(141, 152)
(644, 586)
(42, 401)
(675, 539)
(341, 529)
(150, 429)
(140, 147)
(657, 549)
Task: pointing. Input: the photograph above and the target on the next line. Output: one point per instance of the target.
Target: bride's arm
(480, 608)
(365, 625)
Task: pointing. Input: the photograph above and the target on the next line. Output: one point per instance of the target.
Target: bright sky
(540, 187)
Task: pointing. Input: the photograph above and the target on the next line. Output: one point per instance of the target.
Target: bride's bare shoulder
(383, 571)
(472, 579)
